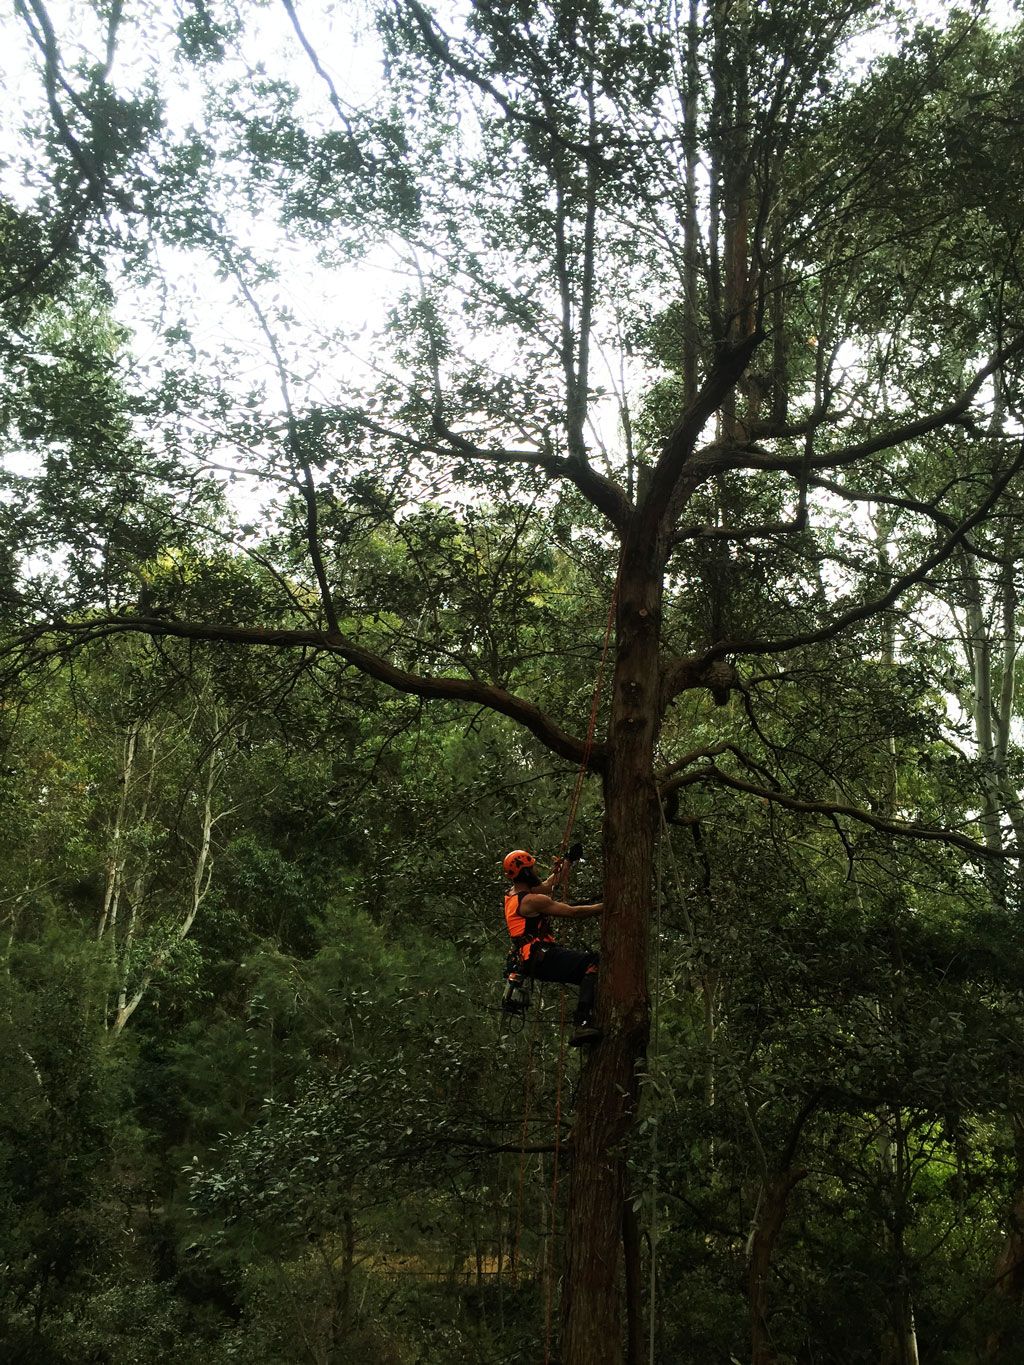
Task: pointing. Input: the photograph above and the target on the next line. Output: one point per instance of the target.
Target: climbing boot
(585, 1033)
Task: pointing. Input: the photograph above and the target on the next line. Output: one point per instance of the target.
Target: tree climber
(528, 908)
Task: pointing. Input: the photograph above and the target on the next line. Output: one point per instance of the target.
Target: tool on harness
(515, 999)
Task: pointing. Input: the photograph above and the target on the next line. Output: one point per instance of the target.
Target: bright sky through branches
(326, 314)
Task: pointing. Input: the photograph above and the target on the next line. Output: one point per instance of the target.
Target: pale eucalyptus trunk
(993, 672)
(992, 712)
(691, 228)
(899, 1343)
(125, 878)
(116, 858)
(978, 645)
(202, 872)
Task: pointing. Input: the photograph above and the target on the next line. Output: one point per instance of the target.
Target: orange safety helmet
(517, 861)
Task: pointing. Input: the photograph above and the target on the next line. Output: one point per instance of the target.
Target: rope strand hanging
(659, 871)
(564, 883)
(527, 1086)
(588, 744)
(527, 1095)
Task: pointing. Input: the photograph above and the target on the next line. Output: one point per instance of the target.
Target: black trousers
(571, 969)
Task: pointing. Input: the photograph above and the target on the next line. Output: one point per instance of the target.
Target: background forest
(355, 362)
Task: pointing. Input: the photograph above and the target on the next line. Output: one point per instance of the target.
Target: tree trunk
(593, 1301)
(691, 228)
(775, 1195)
(978, 647)
(348, 1261)
(899, 1343)
(1008, 1278)
(1009, 1272)
(115, 859)
(201, 875)
(1009, 794)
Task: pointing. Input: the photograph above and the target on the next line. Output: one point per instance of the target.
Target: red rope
(588, 744)
(564, 880)
(549, 1287)
(527, 1088)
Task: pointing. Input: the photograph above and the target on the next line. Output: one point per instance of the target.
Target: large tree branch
(736, 534)
(444, 688)
(41, 28)
(666, 489)
(755, 457)
(689, 671)
(907, 829)
(602, 492)
(898, 588)
(317, 65)
(665, 776)
(771, 529)
(925, 509)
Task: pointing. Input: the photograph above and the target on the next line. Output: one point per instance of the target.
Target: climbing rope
(664, 848)
(563, 881)
(588, 743)
(655, 1066)
(550, 1277)
(527, 1092)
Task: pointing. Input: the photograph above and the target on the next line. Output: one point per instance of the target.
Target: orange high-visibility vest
(525, 929)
